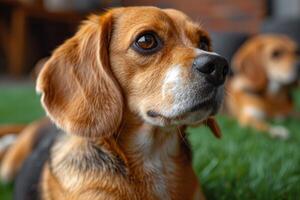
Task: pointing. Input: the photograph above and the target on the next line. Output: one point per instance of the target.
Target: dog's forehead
(139, 15)
(178, 17)
(134, 17)
(279, 41)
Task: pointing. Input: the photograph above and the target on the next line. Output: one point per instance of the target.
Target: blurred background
(241, 165)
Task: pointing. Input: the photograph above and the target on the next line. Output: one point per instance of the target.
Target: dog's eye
(147, 43)
(277, 53)
(204, 44)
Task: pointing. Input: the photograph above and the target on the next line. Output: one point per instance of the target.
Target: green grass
(242, 165)
(18, 104)
(246, 164)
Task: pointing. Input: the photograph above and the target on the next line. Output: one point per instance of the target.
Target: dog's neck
(151, 158)
(148, 140)
(150, 148)
(154, 157)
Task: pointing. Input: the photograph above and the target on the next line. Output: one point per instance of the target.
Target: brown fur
(82, 76)
(20, 149)
(252, 65)
(96, 88)
(11, 129)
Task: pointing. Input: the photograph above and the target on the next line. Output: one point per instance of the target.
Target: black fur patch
(112, 162)
(27, 181)
(86, 158)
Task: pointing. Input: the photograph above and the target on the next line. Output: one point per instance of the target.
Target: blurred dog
(122, 91)
(265, 69)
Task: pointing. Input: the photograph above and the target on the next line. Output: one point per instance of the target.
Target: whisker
(228, 93)
(181, 136)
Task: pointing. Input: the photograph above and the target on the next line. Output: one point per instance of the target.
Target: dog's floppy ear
(213, 126)
(79, 91)
(248, 63)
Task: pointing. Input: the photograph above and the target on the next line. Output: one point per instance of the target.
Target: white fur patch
(153, 157)
(6, 141)
(279, 132)
(173, 85)
(155, 160)
(6, 172)
(254, 112)
(200, 51)
(180, 93)
(172, 80)
(282, 77)
(239, 83)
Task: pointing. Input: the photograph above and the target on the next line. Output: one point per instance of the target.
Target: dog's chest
(155, 170)
(156, 166)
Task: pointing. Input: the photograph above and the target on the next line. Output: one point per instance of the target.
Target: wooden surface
(13, 37)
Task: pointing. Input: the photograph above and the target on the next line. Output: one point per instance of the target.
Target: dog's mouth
(195, 108)
(198, 112)
(210, 104)
(209, 121)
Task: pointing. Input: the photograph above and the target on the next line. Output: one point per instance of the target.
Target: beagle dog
(265, 70)
(121, 92)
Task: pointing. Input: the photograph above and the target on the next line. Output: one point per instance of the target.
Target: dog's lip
(209, 101)
(202, 104)
(194, 108)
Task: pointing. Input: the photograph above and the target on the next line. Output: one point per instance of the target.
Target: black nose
(214, 67)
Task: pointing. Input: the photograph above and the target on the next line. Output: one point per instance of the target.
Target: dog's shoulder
(75, 162)
(83, 155)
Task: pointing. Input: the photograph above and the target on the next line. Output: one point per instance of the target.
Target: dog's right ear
(79, 91)
(248, 63)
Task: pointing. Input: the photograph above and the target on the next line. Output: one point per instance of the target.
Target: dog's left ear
(79, 91)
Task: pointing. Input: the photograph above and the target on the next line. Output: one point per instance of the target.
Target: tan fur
(254, 67)
(19, 151)
(6, 130)
(11, 129)
(79, 81)
(97, 89)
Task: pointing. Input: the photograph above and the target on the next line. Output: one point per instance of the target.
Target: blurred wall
(285, 8)
(217, 15)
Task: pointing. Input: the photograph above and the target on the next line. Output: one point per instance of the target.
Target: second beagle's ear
(247, 62)
(79, 91)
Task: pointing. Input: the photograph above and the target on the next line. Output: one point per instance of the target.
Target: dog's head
(155, 64)
(267, 58)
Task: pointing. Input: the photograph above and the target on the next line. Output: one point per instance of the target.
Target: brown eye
(204, 44)
(277, 53)
(147, 43)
